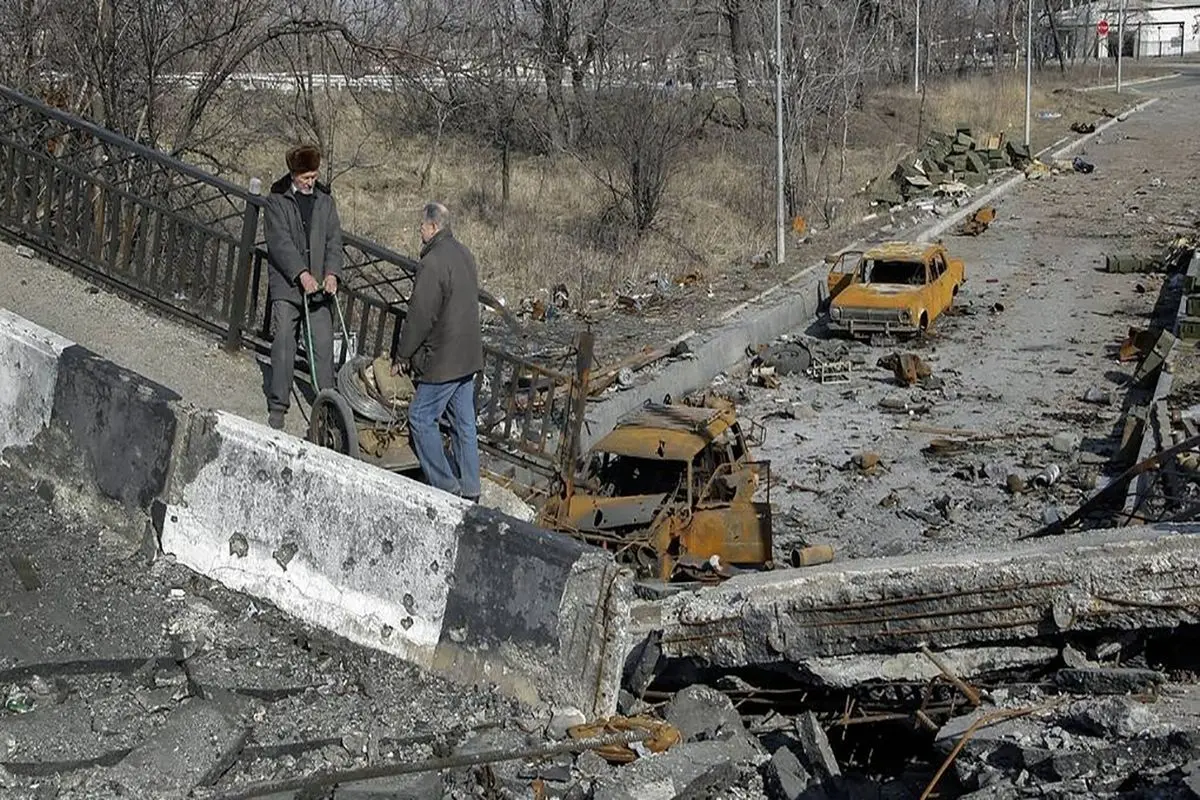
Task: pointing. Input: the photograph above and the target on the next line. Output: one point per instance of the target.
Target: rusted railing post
(245, 263)
(579, 395)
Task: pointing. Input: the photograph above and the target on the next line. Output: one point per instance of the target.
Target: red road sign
(1102, 27)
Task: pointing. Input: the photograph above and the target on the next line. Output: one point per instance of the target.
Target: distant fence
(189, 244)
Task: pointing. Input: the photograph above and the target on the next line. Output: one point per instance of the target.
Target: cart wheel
(331, 424)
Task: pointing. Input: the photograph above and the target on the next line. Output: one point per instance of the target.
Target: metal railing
(190, 244)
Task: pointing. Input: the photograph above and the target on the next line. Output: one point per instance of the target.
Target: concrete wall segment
(329, 539)
(121, 424)
(28, 374)
(537, 612)
(372, 556)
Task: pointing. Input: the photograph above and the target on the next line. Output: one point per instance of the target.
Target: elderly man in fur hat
(304, 248)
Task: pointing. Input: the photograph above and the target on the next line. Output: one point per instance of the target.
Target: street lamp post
(917, 52)
(780, 257)
(1120, 42)
(1028, 68)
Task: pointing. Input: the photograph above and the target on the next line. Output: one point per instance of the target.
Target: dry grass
(720, 209)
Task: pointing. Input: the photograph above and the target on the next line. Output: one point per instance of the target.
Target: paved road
(1018, 373)
(1188, 77)
(186, 359)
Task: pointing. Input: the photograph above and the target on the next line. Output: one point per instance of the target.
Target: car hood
(876, 295)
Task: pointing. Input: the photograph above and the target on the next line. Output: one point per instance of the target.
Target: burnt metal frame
(188, 243)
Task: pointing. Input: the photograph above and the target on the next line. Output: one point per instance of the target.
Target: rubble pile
(948, 164)
(1101, 744)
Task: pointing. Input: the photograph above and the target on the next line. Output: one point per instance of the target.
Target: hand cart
(348, 418)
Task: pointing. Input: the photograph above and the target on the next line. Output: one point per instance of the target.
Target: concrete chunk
(815, 744)
(170, 762)
(667, 775)
(700, 712)
(784, 777)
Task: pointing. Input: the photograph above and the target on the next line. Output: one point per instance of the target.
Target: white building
(1152, 28)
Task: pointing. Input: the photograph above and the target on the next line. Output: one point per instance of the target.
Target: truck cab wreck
(670, 488)
(897, 288)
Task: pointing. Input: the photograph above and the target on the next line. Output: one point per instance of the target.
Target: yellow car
(897, 288)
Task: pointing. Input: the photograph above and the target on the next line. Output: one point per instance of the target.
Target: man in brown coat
(304, 249)
(442, 347)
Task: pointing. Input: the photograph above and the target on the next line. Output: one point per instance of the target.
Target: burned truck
(674, 490)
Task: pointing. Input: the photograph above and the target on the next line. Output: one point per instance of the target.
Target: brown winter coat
(441, 335)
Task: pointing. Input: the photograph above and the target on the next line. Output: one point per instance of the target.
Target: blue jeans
(455, 399)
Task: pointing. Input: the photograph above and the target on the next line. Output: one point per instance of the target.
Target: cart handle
(308, 338)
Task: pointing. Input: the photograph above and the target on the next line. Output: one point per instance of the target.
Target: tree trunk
(505, 173)
(732, 11)
(1058, 50)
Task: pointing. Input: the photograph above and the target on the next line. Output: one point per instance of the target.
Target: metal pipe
(1028, 70)
(917, 51)
(1120, 42)
(780, 244)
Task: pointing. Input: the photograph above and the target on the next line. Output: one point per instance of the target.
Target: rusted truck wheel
(331, 423)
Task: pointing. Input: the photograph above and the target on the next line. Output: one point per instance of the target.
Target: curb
(721, 349)
(372, 556)
(1138, 82)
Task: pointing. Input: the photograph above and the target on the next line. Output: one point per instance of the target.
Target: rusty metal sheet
(610, 513)
(652, 443)
(666, 432)
(901, 251)
(738, 534)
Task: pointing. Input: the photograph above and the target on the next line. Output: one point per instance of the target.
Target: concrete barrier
(375, 557)
(28, 374)
(83, 417)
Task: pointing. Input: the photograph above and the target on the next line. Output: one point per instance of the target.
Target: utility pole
(1120, 42)
(780, 256)
(1028, 68)
(917, 52)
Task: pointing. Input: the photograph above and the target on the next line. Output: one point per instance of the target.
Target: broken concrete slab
(701, 712)
(1115, 680)
(1110, 580)
(784, 777)
(173, 759)
(814, 745)
(843, 672)
(666, 775)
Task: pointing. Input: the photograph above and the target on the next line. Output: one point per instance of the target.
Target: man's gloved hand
(308, 283)
(400, 366)
(330, 284)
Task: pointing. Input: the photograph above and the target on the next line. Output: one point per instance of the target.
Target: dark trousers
(287, 326)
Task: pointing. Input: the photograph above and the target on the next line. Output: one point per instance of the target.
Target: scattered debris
(945, 166)
(978, 222)
(866, 462)
(908, 368)
(811, 555)
(1083, 127)
(1048, 476)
